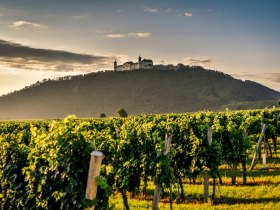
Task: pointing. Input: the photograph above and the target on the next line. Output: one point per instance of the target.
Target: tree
(121, 113)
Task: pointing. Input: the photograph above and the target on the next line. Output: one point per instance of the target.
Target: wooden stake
(156, 197)
(264, 160)
(94, 171)
(243, 162)
(258, 147)
(206, 186)
(167, 143)
(206, 175)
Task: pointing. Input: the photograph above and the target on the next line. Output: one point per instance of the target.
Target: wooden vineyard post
(245, 136)
(264, 161)
(167, 143)
(206, 175)
(206, 186)
(156, 197)
(258, 147)
(94, 171)
(264, 154)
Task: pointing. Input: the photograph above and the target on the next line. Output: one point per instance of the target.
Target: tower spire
(139, 62)
(139, 58)
(115, 65)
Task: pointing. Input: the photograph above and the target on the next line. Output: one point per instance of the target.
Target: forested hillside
(139, 91)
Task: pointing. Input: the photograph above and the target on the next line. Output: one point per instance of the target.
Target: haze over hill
(138, 91)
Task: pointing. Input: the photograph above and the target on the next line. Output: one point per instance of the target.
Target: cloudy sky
(46, 39)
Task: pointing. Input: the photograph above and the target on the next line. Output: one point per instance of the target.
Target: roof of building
(146, 60)
(128, 62)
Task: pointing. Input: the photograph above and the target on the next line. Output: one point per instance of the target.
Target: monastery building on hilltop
(142, 64)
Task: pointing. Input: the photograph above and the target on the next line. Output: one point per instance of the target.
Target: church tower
(115, 65)
(139, 62)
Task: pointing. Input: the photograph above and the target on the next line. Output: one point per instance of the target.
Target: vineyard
(44, 164)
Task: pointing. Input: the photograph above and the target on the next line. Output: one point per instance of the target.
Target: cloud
(82, 16)
(116, 36)
(140, 35)
(151, 10)
(18, 56)
(246, 75)
(120, 10)
(168, 10)
(198, 60)
(188, 14)
(273, 77)
(204, 62)
(136, 35)
(27, 25)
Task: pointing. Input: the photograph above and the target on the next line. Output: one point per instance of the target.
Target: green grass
(262, 191)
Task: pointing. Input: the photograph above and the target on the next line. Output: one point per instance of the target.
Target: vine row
(44, 164)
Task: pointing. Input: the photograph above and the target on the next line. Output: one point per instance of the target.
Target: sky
(42, 39)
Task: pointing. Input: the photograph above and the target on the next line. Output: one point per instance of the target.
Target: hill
(139, 91)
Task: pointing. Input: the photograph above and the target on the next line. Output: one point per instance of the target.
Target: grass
(262, 191)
